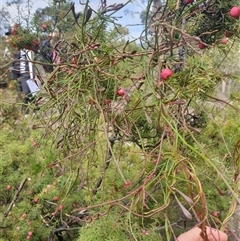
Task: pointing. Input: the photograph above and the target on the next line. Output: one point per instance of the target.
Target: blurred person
(48, 50)
(55, 37)
(22, 70)
(6, 53)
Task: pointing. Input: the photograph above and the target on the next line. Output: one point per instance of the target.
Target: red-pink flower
(144, 232)
(127, 184)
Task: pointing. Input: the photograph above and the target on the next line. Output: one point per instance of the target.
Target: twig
(15, 197)
(112, 140)
(223, 101)
(233, 234)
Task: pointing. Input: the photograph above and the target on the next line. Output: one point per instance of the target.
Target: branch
(112, 140)
(114, 7)
(7, 65)
(233, 234)
(15, 197)
(223, 101)
(20, 60)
